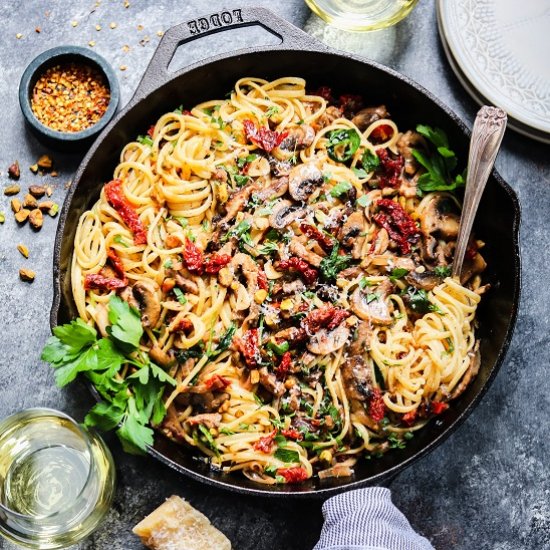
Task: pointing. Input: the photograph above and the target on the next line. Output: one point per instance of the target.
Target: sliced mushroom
(338, 470)
(298, 138)
(362, 335)
(187, 285)
(405, 144)
(438, 220)
(237, 202)
(352, 228)
(372, 306)
(278, 187)
(280, 167)
(293, 335)
(426, 280)
(128, 296)
(161, 357)
(326, 341)
(303, 179)
(365, 117)
(471, 371)
(293, 287)
(356, 378)
(472, 267)
(101, 318)
(208, 420)
(145, 292)
(284, 213)
(328, 117)
(269, 381)
(298, 249)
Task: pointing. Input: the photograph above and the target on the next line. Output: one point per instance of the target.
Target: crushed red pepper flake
(70, 97)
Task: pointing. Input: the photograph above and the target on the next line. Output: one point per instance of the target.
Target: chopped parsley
(180, 296)
(342, 144)
(333, 264)
(439, 164)
(340, 189)
(442, 271)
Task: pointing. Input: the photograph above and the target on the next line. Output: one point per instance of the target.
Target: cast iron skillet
(301, 55)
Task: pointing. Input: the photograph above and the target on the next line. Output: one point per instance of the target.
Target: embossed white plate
(500, 51)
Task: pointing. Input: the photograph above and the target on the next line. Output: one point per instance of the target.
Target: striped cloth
(366, 519)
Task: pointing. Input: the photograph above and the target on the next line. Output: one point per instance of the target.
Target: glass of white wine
(361, 15)
(57, 479)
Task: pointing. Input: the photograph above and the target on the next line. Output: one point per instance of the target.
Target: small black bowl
(63, 54)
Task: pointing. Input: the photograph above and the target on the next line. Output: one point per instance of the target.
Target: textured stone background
(487, 487)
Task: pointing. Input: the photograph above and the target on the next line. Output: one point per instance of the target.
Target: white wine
(56, 479)
(44, 481)
(361, 15)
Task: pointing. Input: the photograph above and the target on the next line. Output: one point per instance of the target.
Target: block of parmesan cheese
(176, 525)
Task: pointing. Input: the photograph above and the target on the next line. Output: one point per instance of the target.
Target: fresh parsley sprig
(133, 402)
(439, 164)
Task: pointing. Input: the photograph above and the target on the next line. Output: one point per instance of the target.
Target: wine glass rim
(45, 412)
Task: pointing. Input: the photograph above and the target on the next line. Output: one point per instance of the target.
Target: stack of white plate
(500, 52)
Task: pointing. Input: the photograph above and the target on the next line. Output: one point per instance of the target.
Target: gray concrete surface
(486, 488)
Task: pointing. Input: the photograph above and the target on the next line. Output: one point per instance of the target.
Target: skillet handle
(157, 70)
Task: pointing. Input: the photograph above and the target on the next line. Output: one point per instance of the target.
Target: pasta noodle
(292, 276)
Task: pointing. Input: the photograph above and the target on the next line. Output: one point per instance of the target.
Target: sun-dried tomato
(265, 444)
(399, 225)
(116, 262)
(263, 137)
(309, 273)
(350, 104)
(284, 366)
(215, 262)
(328, 317)
(193, 258)
(217, 382)
(325, 92)
(184, 325)
(377, 408)
(262, 280)
(438, 407)
(248, 347)
(390, 169)
(115, 197)
(293, 475)
(381, 133)
(291, 433)
(151, 130)
(313, 233)
(99, 282)
(410, 417)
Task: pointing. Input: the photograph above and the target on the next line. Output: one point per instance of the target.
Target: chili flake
(70, 97)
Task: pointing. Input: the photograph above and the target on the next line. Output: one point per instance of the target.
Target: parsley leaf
(370, 161)
(225, 341)
(132, 403)
(438, 164)
(126, 327)
(268, 248)
(442, 271)
(288, 456)
(342, 144)
(145, 140)
(180, 296)
(333, 264)
(340, 189)
(363, 200)
(398, 273)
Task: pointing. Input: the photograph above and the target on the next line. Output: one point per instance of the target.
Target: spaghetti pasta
(294, 280)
